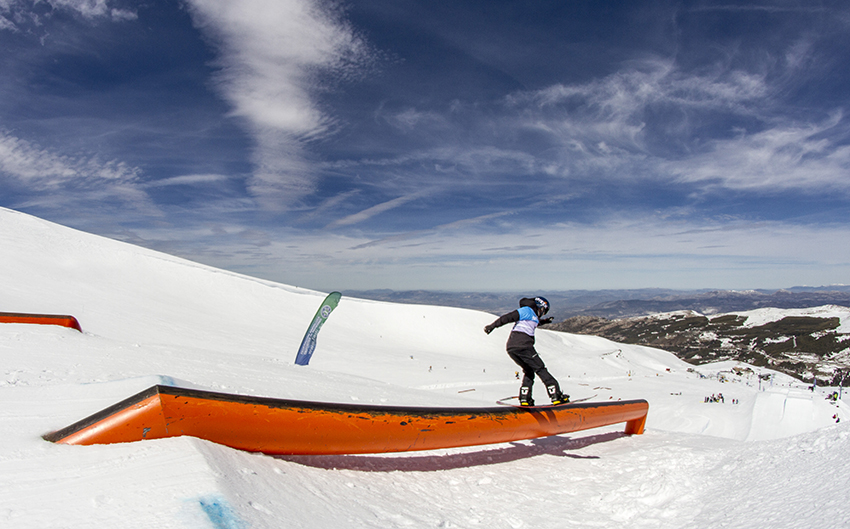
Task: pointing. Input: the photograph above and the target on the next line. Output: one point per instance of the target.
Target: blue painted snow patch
(165, 380)
(219, 513)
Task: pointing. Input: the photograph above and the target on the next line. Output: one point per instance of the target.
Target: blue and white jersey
(527, 321)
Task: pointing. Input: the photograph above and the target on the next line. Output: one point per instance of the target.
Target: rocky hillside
(804, 343)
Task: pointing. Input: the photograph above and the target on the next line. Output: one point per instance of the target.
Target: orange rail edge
(278, 427)
(42, 319)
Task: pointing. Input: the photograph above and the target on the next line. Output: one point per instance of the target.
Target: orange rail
(43, 319)
(276, 426)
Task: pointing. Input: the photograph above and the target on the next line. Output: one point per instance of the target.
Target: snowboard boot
(563, 398)
(525, 396)
(556, 395)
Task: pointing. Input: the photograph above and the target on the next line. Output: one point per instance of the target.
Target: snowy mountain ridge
(808, 343)
(149, 318)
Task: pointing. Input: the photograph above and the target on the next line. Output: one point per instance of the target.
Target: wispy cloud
(793, 156)
(327, 207)
(18, 14)
(27, 162)
(648, 121)
(94, 8)
(377, 209)
(421, 234)
(183, 180)
(606, 128)
(409, 119)
(275, 57)
(64, 179)
(616, 112)
(764, 8)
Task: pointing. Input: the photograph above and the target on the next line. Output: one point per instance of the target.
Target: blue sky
(477, 145)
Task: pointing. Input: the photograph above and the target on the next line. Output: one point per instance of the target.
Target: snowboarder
(520, 348)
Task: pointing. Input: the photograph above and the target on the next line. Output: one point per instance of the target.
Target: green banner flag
(308, 344)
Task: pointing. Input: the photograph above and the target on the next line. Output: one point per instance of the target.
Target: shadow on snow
(554, 446)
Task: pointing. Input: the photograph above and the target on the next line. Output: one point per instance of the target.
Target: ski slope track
(775, 458)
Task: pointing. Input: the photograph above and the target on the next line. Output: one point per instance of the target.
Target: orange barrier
(43, 319)
(276, 426)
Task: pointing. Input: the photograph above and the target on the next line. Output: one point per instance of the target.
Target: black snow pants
(531, 364)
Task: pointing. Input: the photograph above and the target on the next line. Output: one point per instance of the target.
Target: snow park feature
(41, 319)
(276, 426)
(777, 458)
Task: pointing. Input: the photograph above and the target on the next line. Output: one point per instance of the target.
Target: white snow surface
(777, 458)
(758, 317)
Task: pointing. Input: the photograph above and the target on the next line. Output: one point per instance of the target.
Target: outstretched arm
(510, 317)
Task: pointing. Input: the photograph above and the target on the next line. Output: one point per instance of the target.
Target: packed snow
(770, 453)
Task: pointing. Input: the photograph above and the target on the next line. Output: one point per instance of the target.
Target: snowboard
(504, 402)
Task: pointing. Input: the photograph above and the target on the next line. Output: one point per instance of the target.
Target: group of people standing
(719, 398)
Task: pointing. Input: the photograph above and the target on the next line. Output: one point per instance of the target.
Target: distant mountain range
(613, 304)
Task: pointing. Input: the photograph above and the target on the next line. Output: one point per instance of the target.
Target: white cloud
(87, 8)
(605, 130)
(6, 11)
(410, 119)
(273, 55)
(29, 163)
(328, 207)
(797, 156)
(59, 179)
(368, 213)
(614, 109)
(608, 128)
(92, 8)
(456, 159)
(15, 13)
(193, 179)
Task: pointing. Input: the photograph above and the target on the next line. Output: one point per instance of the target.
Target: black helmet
(542, 305)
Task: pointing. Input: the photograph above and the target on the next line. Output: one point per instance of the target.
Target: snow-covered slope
(151, 318)
(759, 317)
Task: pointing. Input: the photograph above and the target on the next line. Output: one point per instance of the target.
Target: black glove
(488, 329)
(546, 321)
